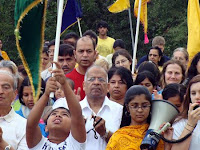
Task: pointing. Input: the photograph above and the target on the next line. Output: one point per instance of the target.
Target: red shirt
(78, 81)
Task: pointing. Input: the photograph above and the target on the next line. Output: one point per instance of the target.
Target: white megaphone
(162, 111)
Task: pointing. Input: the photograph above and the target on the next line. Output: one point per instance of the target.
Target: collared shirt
(14, 130)
(111, 112)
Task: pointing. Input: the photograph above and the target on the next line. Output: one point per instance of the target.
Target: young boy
(66, 130)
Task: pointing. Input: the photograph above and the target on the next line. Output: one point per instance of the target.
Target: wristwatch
(8, 147)
(106, 134)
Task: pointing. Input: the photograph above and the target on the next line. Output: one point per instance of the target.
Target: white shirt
(69, 144)
(111, 112)
(14, 130)
(46, 74)
(178, 129)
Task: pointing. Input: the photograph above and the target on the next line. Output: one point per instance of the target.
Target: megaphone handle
(164, 128)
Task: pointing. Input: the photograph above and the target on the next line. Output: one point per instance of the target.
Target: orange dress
(130, 138)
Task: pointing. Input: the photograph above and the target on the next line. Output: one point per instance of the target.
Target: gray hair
(182, 49)
(10, 65)
(12, 76)
(95, 66)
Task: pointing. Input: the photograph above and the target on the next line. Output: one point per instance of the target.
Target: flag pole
(58, 30)
(79, 27)
(136, 36)
(131, 29)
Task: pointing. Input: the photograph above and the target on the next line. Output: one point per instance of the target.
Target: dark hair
(187, 99)
(102, 24)
(71, 35)
(52, 110)
(151, 67)
(131, 93)
(45, 50)
(26, 82)
(122, 52)
(66, 49)
(192, 71)
(22, 70)
(91, 34)
(143, 75)
(174, 89)
(125, 74)
(172, 61)
(119, 43)
(160, 53)
(52, 42)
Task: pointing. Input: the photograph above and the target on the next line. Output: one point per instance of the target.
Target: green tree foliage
(166, 18)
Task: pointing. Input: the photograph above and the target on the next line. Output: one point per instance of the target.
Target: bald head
(98, 68)
(85, 39)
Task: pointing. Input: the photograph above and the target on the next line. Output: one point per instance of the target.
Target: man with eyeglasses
(103, 115)
(158, 41)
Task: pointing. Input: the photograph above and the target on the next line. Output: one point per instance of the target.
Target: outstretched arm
(77, 121)
(33, 133)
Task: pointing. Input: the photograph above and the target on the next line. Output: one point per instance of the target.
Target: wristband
(106, 134)
(188, 129)
(191, 125)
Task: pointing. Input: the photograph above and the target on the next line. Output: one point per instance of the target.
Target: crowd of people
(98, 103)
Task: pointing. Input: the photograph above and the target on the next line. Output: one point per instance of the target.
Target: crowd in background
(98, 102)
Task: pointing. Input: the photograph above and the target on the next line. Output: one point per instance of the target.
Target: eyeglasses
(136, 107)
(100, 79)
(123, 61)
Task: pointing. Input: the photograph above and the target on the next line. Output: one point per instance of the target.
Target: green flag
(30, 23)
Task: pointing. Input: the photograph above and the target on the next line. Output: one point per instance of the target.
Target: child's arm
(77, 121)
(33, 133)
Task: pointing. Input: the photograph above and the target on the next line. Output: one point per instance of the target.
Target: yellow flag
(143, 16)
(119, 6)
(193, 45)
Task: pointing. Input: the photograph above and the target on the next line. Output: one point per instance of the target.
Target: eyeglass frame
(121, 61)
(143, 107)
(100, 79)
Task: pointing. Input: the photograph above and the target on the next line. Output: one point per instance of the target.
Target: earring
(127, 114)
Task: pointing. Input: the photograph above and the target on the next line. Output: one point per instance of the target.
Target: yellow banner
(193, 45)
(119, 6)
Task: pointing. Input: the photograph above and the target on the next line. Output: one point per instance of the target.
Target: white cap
(61, 102)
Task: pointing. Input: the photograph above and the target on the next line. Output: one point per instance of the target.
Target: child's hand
(51, 86)
(58, 74)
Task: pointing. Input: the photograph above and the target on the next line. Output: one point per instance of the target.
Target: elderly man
(103, 115)
(12, 126)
